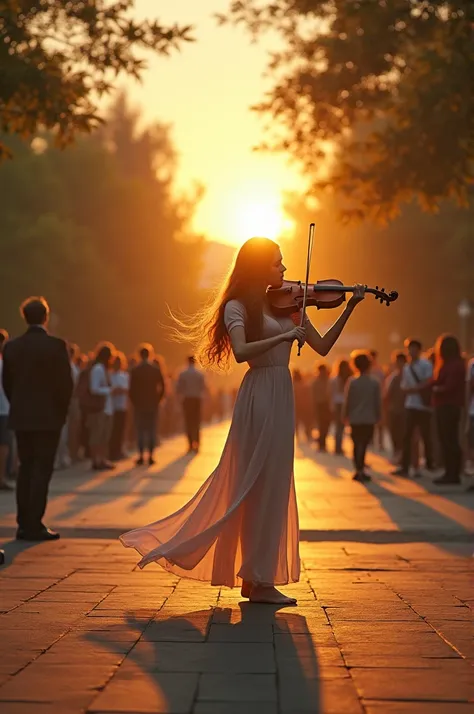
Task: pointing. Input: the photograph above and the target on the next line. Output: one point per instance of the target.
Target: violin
(293, 297)
(324, 294)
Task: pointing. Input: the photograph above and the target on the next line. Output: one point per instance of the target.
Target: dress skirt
(242, 524)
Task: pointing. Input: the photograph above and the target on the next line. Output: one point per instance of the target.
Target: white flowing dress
(242, 524)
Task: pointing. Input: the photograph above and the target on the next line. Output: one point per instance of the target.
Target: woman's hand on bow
(297, 333)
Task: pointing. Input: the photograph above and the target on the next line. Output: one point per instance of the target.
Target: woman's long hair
(447, 349)
(246, 282)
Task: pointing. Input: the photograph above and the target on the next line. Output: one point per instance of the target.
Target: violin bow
(305, 289)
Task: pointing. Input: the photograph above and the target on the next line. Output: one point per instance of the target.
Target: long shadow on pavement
(101, 485)
(12, 549)
(215, 657)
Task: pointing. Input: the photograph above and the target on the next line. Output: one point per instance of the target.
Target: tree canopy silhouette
(100, 231)
(389, 82)
(57, 59)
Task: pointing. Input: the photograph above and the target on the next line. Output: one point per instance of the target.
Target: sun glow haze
(205, 92)
(254, 213)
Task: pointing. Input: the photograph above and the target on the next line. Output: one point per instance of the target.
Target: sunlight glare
(256, 214)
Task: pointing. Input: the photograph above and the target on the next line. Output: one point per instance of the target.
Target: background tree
(388, 82)
(57, 59)
(101, 232)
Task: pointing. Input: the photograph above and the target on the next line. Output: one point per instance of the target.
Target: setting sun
(254, 213)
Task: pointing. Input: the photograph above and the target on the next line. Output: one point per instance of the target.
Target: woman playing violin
(241, 527)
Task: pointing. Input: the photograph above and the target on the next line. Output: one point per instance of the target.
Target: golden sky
(205, 92)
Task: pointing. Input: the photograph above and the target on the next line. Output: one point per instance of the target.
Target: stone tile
(301, 625)
(237, 688)
(55, 595)
(444, 613)
(35, 584)
(40, 708)
(458, 634)
(124, 613)
(251, 658)
(300, 696)
(408, 661)
(30, 639)
(372, 613)
(12, 662)
(249, 613)
(199, 620)
(73, 652)
(152, 693)
(164, 632)
(428, 647)
(234, 708)
(113, 626)
(42, 682)
(310, 668)
(16, 621)
(240, 633)
(321, 656)
(304, 645)
(381, 707)
(410, 685)
(392, 634)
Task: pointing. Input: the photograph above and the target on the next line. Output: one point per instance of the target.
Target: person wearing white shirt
(120, 381)
(101, 407)
(5, 439)
(416, 382)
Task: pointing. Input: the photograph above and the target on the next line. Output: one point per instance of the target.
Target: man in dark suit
(147, 387)
(38, 384)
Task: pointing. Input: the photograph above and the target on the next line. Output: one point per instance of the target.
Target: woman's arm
(322, 344)
(244, 351)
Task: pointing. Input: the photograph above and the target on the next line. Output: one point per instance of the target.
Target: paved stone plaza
(383, 623)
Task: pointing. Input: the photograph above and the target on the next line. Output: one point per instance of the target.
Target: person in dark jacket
(147, 388)
(38, 384)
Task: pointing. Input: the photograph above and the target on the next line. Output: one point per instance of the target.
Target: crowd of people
(420, 408)
(118, 406)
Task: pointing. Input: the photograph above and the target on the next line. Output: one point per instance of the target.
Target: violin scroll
(382, 296)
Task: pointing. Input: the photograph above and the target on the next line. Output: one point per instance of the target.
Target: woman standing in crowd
(341, 374)
(120, 382)
(242, 524)
(449, 398)
(100, 406)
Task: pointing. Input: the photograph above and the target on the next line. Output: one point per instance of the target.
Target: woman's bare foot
(246, 588)
(270, 595)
